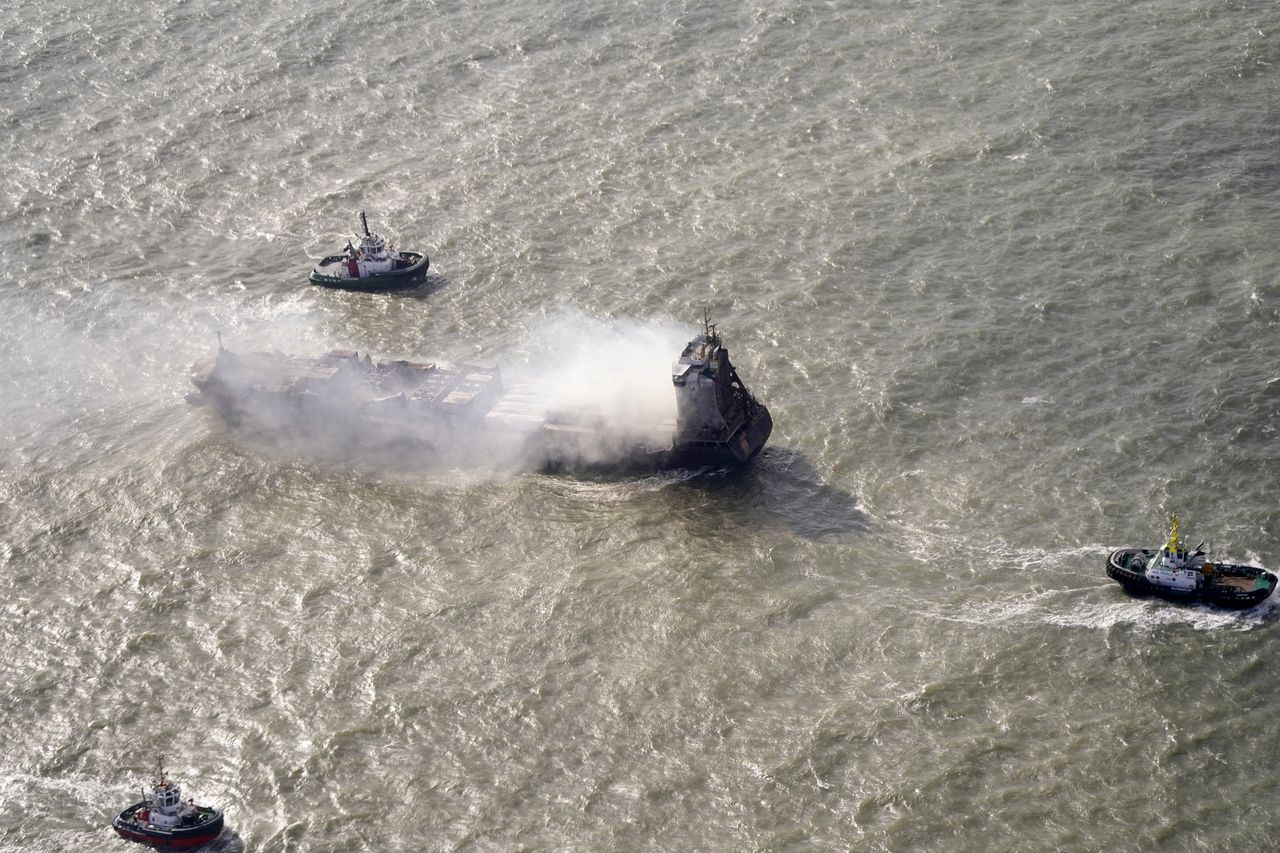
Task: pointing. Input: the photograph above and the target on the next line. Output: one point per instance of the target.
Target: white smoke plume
(614, 376)
(618, 368)
(603, 386)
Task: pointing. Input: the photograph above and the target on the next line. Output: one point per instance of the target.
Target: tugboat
(1176, 573)
(165, 820)
(459, 414)
(374, 265)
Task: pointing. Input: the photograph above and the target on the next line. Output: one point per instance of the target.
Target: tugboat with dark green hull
(371, 265)
(1178, 574)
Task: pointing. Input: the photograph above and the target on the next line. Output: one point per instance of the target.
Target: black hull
(1135, 583)
(185, 837)
(739, 449)
(399, 279)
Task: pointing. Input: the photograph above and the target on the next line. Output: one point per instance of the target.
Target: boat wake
(1060, 596)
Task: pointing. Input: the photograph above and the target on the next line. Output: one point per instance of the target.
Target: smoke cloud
(575, 392)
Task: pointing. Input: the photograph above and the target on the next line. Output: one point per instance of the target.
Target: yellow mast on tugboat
(1174, 541)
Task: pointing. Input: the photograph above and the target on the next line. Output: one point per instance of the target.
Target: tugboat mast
(365, 222)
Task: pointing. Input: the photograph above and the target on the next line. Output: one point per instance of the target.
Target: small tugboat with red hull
(165, 820)
(1176, 573)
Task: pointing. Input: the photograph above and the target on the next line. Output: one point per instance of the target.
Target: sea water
(1004, 273)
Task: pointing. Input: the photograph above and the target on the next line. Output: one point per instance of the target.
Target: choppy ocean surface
(1005, 274)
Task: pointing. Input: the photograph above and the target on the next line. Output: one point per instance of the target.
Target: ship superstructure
(716, 415)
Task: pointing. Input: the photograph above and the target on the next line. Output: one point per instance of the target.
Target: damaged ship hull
(465, 415)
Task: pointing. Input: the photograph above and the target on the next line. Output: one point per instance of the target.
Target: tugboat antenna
(365, 223)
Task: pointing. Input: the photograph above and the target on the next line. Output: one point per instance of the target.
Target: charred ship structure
(465, 415)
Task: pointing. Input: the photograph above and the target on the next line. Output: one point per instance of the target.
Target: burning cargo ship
(457, 414)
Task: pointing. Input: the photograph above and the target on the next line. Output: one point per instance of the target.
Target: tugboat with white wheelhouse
(372, 265)
(1177, 573)
(165, 820)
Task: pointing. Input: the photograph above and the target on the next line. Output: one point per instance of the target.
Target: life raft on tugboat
(163, 819)
(1177, 573)
(372, 264)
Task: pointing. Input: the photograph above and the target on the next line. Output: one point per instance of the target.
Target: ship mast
(1174, 540)
(160, 781)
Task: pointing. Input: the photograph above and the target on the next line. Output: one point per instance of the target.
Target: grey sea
(1004, 273)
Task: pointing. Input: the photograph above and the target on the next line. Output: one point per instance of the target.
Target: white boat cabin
(165, 808)
(1176, 569)
(374, 255)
